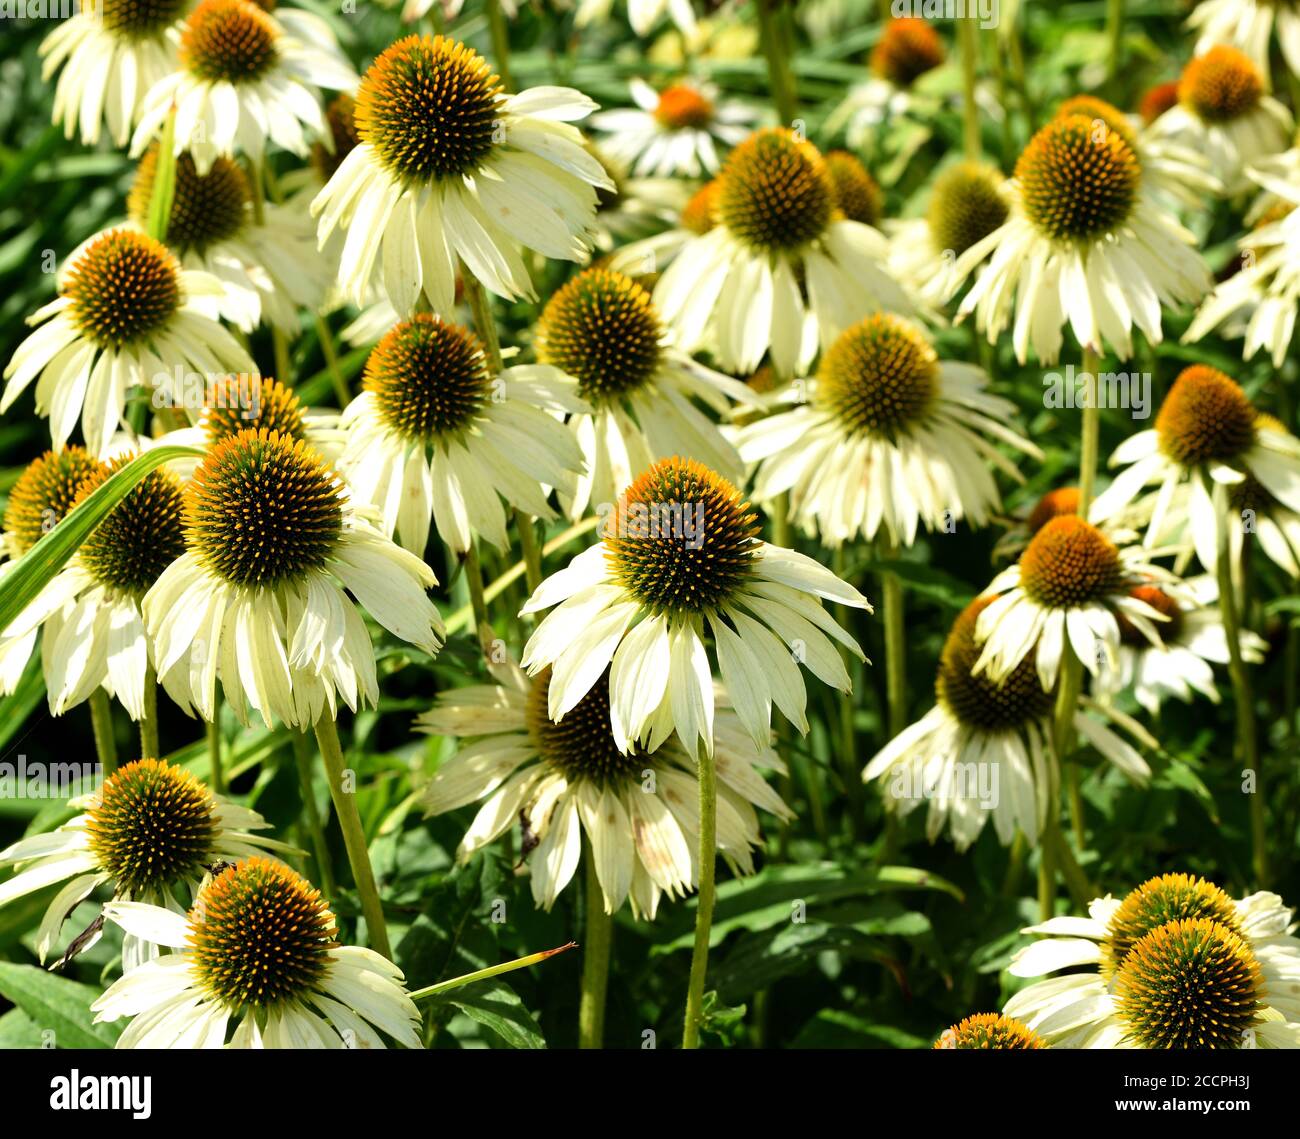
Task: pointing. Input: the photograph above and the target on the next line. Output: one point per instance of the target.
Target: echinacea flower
(652, 255)
(680, 560)
(1032, 517)
(638, 810)
(109, 53)
(739, 290)
(1249, 26)
(1192, 639)
(150, 830)
(245, 76)
(984, 750)
(1068, 591)
(1086, 241)
(126, 315)
(1176, 964)
(257, 960)
(989, 1030)
(676, 131)
(886, 435)
(1206, 431)
(1225, 112)
(602, 331)
(450, 167)
(966, 205)
(858, 195)
(265, 258)
(436, 434)
(1259, 301)
(257, 600)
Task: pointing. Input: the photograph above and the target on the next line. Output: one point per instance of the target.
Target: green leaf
(497, 1007)
(833, 1028)
(39, 566)
(18, 1030)
(57, 1004)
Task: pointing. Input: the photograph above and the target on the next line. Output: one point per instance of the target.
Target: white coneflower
(436, 435)
(40, 497)
(984, 750)
(739, 290)
(1192, 639)
(966, 204)
(152, 828)
(1259, 301)
(643, 15)
(1225, 112)
(449, 167)
(1068, 591)
(245, 77)
(680, 561)
(695, 217)
(676, 131)
(1205, 429)
(1087, 241)
(638, 810)
(1175, 964)
(257, 960)
(989, 1030)
(1248, 25)
(886, 435)
(602, 330)
(269, 267)
(109, 54)
(126, 315)
(258, 598)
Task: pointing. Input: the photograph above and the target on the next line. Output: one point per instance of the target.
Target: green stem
(595, 960)
(1046, 880)
(149, 716)
(1015, 866)
(704, 909)
(214, 753)
(101, 723)
(968, 31)
(500, 42)
(328, 350)
(1089, 432)
(1241, 687)
(845, 701)
(1076, 881)
(491, 971)
(1114, 38)
(324, 875)
(354, 836)
(477, 601)
(891, 593)
(532, 553)
(774, 36)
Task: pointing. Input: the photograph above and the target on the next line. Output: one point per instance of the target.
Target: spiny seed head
(44, 493)
(580, 746)
(229, 41)
(1205, 418)
(976, 700)
(247, 403)
(681, 539)
(1220, 85)
(989, 1030)
(857, 194)
(1161, 602)
(700, 214)
(1063, 500)
(142, 536)
(154, 827)
(135, 19)
(263, 508)
(907, 49)
(1189, 984)
(965, 206)
(1069, 563)
(260, 936)
(879, 377)
(429, 378)
(429, 108)
(1103, 114)
(681, 106)
(123, 287)
(207, 208)
(775, 192)
(1158, 100)
(340, 118)
(1078, 180)
(602, 329)
(1158, 901)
